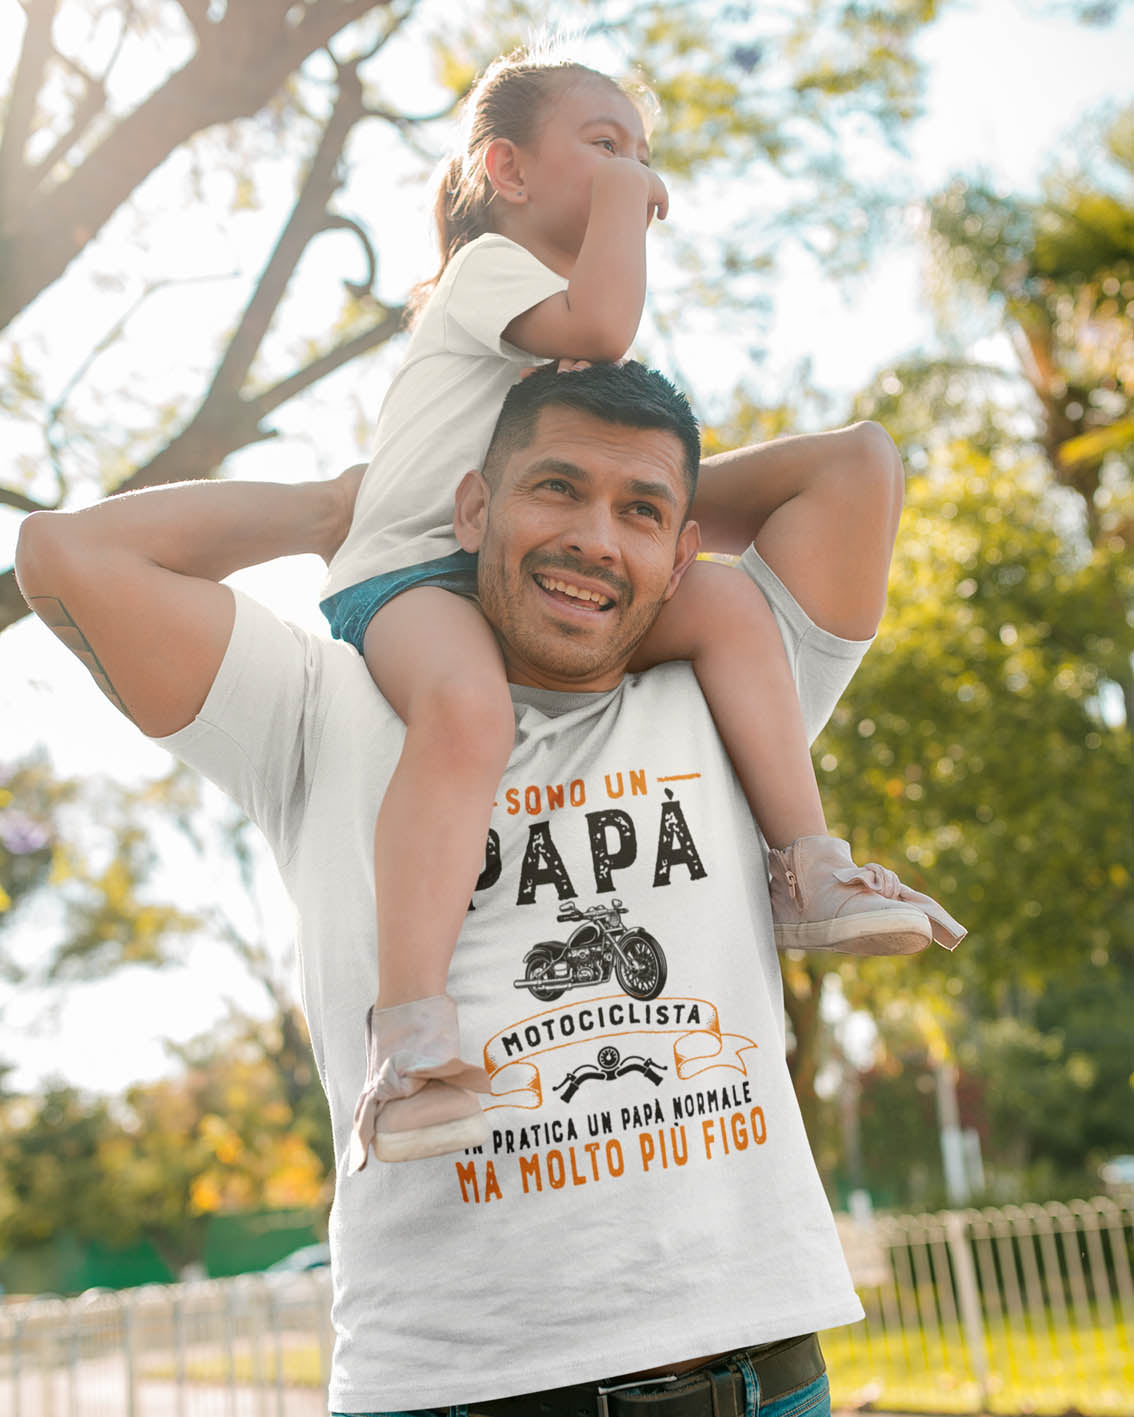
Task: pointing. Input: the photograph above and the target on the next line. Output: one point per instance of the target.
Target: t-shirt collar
(553, 704)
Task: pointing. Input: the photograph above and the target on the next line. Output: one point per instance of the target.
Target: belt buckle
(602, 1393)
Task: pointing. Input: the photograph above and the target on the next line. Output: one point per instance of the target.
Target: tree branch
(197, 13)
(34, 54)
(307, 219)
(359, 289)
(225, 422)
(87, 110)
(240, 64)
(111, 337)
(9, 497)
(13, 606)
(379, 44)
(327, 363)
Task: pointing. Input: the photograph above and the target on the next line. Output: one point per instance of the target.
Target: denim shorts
(812, 1400)
(350, 611)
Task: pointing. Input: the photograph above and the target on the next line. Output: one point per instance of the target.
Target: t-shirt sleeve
(496, 280)
(252, 737)
(822, 663)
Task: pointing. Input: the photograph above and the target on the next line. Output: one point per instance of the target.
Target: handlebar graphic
(568, 910)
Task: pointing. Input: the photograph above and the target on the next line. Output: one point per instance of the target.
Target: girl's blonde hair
(509, 100)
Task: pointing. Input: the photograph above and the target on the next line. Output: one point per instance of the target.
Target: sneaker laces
(946, 931)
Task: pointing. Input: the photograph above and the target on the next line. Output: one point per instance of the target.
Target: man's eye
(556, 484)
(647, 509)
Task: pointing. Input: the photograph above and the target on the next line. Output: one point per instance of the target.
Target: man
(646, 1230)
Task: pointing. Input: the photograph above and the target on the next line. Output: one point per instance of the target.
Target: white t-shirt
(440, 410)
(649, 1194)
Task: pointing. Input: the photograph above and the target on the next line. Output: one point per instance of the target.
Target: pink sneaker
(420, 1096)
(822, 901)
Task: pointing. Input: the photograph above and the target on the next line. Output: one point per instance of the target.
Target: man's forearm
(202, 529)
(130, 585)
(822, 510)
(739, 490)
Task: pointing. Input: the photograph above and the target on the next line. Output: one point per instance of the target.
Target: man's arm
(822, 510)
(131, 585)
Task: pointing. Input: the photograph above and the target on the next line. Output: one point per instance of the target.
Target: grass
(1088, 1371)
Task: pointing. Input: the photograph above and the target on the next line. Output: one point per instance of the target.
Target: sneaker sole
(871, 932)
(432, 1141)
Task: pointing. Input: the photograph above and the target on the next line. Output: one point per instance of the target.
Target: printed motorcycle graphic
(601, 945)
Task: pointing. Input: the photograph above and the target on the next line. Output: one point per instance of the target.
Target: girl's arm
(597, 316)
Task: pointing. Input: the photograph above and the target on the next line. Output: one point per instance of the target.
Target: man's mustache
(573, 566)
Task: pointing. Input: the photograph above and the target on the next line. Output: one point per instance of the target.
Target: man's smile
(574, 592)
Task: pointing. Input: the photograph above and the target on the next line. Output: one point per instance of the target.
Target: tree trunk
(235, 71)
(803, 985)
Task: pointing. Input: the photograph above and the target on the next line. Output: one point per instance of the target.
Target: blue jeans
(350, 611)
(814, 1400)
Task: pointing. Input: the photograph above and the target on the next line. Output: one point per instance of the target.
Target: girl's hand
(657, 200)
(562, 366)
(620, 170)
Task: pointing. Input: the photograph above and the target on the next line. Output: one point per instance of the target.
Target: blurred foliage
(974, 737)
(1045, 1081)
(768, 100)
(1058, 1075)
(981, 751)
(1061, 272)
(244, 1126)
(84, 852)
(28, 797)
(763, 103)
(984, 750)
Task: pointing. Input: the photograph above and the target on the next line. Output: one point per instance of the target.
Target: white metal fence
(254, 1346)
(1018, 1310)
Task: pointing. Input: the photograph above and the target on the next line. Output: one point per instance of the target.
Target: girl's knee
(467, 719)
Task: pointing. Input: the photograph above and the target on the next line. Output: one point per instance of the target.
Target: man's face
(581, 542)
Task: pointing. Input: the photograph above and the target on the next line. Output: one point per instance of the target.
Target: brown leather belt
(716, 1390)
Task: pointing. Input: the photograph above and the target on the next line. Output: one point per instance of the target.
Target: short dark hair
(627, 394)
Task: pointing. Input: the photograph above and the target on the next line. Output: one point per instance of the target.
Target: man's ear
(688, 544)
(470, 513)
(504, 167)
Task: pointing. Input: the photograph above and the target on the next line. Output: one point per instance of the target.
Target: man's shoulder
(314, 667)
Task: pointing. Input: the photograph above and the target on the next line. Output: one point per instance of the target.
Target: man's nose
(591, 532)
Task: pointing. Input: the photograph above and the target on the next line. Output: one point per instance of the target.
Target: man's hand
(344, 490)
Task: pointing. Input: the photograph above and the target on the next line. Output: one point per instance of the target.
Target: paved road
(98, 1388)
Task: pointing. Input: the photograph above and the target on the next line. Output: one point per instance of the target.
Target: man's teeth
(576, 592)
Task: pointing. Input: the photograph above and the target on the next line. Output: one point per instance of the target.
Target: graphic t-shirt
(648, 1193)
(440, 410)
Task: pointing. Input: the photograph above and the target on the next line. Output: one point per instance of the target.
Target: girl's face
(588, 122)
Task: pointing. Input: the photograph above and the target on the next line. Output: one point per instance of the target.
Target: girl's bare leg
(823, 512)
(435, 659)
(721, 622)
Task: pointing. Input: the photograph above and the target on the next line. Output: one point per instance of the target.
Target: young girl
(542, 222)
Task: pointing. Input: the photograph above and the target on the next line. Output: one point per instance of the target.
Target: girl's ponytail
(509, 101)
(458, 218)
